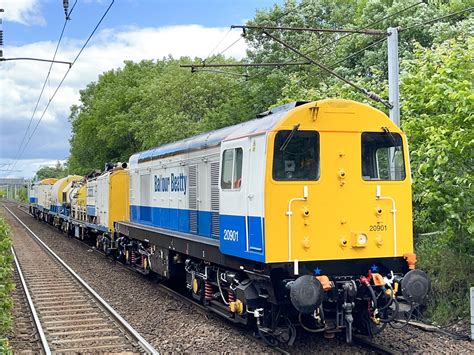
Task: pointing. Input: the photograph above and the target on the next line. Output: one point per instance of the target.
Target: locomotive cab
(353, 164)
(322, 195)
(338, 205)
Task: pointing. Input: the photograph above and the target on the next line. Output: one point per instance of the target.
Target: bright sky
(132, 30)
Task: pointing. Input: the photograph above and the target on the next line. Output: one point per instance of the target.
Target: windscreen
(382, 156)
(296, 156)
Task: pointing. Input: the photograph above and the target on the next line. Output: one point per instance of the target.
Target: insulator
(66, 6)
(1, 37)
(208, 291)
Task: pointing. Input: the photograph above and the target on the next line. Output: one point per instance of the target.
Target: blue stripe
(233, 237)
(172, 218)
(233, 229)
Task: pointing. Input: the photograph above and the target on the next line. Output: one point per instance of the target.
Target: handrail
(394, 214)
(289, 213)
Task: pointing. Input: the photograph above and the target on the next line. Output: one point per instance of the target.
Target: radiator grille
(193, 179)
(215, 199)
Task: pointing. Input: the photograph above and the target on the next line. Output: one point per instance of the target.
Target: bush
(6, 285)
(438, 105)
(451, 273)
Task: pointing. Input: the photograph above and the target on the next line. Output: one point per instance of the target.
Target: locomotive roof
(263, 123)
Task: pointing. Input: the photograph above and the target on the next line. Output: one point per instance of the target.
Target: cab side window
(296, 156)
(231, 176)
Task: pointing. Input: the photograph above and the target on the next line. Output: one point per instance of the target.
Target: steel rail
(170, 292)
(39, 327)
(140, 340)
(360, 340)
(366, 342)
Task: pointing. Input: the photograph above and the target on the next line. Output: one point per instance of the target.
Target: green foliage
(438, 106)
(451, 273)
(22, 195)
(6, 285)
(152, 103)
(58, 171)
(341, 53)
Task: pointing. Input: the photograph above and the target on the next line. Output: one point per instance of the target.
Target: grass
(452, 274)
(6, 286)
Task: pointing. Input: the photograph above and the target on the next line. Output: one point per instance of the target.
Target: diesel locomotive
(298, 219)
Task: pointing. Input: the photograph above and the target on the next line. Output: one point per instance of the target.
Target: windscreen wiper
(396, 147)
(288, 139)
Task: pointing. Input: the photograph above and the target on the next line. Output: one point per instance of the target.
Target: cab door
(241, 199)
(233, 197)
(254, 190)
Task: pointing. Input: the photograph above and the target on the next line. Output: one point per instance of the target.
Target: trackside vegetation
(6, 286)
(439, 123)
(153, 102)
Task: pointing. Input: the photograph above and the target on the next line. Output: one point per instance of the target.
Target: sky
(132, 30)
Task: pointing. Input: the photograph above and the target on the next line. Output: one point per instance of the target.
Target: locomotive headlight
(362, 239)
(359, 240)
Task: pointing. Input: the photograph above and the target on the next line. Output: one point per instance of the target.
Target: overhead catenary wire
(227, 48)
(326, 45)
(218, 44)
(197, 70)
(376, 22)
(44, 84)
(35, 59)
(66, 74)
(369, 94)
(371, 24)
(361, 50)
(422, 24)
(309, 29)
(205, 63)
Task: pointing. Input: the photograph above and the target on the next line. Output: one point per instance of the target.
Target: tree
(438, 111)
(58, 171)
(151, 103)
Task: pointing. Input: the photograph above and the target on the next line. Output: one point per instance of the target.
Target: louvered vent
(193, 222)
(215, 199)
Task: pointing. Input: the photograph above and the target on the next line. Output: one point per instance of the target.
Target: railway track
(68, 314)
(361, 341)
